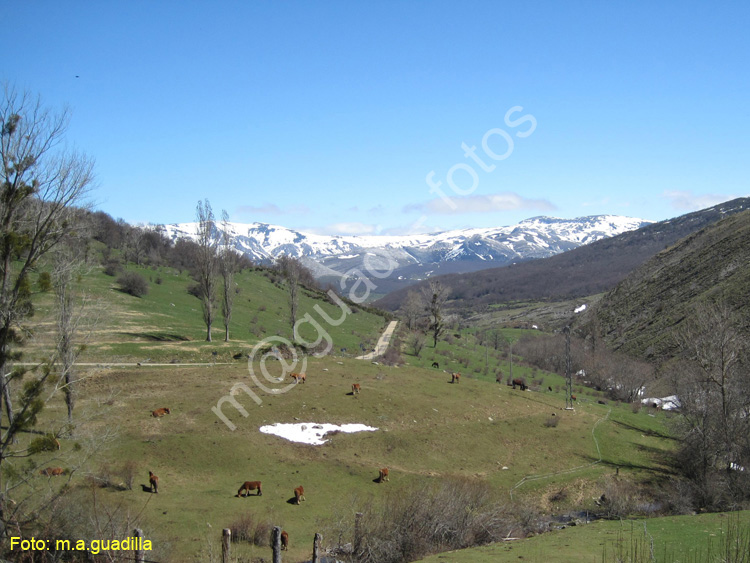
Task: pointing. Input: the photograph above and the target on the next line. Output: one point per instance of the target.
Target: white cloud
(688, 201)
(491, 203)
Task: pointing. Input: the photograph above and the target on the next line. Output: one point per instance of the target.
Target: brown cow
(299, 494)
(573, 397)
(154, 481)
(158, 413)
(455, 377)
(248, 486)
(383, 475)
(284, 540)
(52, 471)
(298, 377)
(356, 388)
(521, 383)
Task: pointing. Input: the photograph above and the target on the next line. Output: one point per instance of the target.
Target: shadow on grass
(645, 431)
(630, 465)
(157, 336)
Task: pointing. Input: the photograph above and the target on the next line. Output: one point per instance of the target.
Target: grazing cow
(436, 365)
(383, 475)
(298, 377)
(158, 413)
(299, 494)
(356, 388)
(154, 481)
(521, 383)
(248, 486)
(52, 471)
(573, 398)
(284, 540)
(455, 377)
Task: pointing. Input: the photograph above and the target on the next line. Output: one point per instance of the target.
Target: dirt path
(382, 344)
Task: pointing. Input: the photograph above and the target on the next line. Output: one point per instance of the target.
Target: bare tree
(714, 395)
(133, 245)
(40, 183)
(67, 267)
(228, 261)
(435, 296)
(206, 267)
(416, 342)
(291, 268)
(412, 309)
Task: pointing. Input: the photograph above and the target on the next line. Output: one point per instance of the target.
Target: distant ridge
(583, 271)
(415, 257)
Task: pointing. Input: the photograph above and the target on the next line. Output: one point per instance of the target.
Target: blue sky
(329, 116)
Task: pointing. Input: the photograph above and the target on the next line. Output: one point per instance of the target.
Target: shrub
(248, 527)
(195, 290)
(453, 514)
(127, 473)
(45, 281)
(133, 283)
(112, 268)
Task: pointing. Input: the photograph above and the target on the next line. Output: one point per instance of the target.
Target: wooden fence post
(226, 540)
(276, 544)
(138, 533)
(316, 548)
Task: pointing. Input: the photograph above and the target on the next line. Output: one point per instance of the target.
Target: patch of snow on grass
(311, 432)
(670, 403)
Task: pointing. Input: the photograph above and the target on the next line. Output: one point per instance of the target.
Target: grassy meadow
(428, 428)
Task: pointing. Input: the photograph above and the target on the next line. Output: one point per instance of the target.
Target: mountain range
(587, 270)
(414, 257)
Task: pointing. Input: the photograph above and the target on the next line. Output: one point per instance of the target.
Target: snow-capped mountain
(414, 257)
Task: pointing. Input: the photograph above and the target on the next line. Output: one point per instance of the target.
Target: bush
(406, 526)
(112, 268)
(45, 281)
(195, 290)
(250, 528)
(133, 284)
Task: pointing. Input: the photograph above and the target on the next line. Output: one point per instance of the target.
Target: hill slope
(713, 263)
(589, 269)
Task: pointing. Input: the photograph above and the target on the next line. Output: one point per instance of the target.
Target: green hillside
(713, 263)
(167, 324)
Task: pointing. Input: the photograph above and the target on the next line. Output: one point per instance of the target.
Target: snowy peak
(416, 256)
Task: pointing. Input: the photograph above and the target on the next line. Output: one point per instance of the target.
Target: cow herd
(299, 493)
